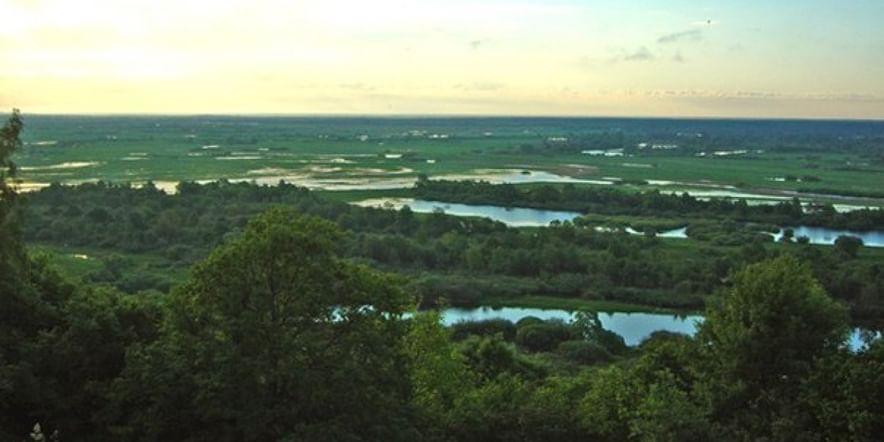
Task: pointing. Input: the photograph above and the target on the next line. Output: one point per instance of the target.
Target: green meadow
(371, 154)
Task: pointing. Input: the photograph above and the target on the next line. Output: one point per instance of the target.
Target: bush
(583, 352)
(848, 245)
(489, 357)
(528, 320)
(543, 337)
(178, 252)
(611, 341)
(489, 327)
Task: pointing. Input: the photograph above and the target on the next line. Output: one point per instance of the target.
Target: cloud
(641, 54)
(482, 86)
(741, 95)
(359, 87)
(688, 35)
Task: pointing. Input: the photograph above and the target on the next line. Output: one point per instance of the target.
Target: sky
(666, 58)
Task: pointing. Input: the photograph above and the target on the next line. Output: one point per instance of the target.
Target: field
(762, 160)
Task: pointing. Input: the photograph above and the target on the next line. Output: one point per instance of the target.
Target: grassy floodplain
(769, 158)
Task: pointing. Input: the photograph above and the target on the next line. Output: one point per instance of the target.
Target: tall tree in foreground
(274, 337)
(23, 310)
(60, 344)
(11, 250)
(438, 373)
(762, 341)
(845, 394)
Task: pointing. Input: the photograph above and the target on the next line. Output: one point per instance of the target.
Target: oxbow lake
(511, 216)
(516, 217)
(524, 217)
(634, 327)
(822, 235)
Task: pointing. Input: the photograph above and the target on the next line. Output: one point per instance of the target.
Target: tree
(583, 352)
(12, 255)
(29, 302)
(75, 362)
(438, 372)
(788, 234)
(543, 337)
(763, 338)
(845, 394)
(588, 326)
(848, 246)
(9, 143)
(490, 357)
(274, 336)
(642, 403)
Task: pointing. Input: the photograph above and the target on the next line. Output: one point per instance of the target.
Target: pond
(634, 327)
(515, 217)
(817, 235)
(379, 179)
(680, 233)
(511, 216)
(755, 199)
(826, 236)
(705, 194)
(516, 176)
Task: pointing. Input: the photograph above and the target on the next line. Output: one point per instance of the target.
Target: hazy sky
(785, 58)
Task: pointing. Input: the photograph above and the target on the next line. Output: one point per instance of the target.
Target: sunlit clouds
(515, 57)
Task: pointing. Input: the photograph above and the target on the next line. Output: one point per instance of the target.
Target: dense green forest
(290, 326)
(145, 239)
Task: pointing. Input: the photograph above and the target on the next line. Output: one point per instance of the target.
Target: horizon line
(444, 115)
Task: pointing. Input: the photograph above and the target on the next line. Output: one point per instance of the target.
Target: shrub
(489, 327)
(543, 337)
(583, 352)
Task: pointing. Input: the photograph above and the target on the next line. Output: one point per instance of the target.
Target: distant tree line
(611, 201)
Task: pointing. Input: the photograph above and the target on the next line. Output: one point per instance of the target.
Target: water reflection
(634, 327)
(516, 217)
(825, 236)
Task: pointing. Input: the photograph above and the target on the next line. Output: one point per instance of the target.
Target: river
(634, 327)
(826, 236)
(524, 217)
(515, 217)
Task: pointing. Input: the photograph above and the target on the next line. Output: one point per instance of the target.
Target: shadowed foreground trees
(11, 250)
(276, 338)
(761, 342)
(273, 337)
